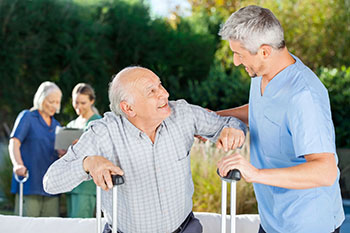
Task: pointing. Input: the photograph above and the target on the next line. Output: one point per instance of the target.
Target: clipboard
(65, 136)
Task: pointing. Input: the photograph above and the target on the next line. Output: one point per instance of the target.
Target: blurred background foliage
(71, 41)
(338, 83)
(318, 31)
(67, 42)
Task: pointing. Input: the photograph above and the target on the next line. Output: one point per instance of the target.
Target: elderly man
(293, 158)
(148, 140)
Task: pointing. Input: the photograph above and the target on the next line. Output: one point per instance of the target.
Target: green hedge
(337, 82)
(67, 42)
(222, 88)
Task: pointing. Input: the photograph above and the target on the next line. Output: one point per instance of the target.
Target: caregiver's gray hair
(253, 26)
(45, 89)
(118, 91)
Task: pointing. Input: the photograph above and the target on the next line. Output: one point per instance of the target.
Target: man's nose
(163, 93)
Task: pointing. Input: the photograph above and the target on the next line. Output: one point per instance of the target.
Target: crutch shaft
(223, 206)
(21, 181)
(21, 199)
(115, 206)
(231, 177)
(233, 207)
(98, 209)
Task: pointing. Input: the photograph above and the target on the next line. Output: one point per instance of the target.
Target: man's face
(150, 98)
(242, 56)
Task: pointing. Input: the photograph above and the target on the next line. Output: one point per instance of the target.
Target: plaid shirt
(158, 188)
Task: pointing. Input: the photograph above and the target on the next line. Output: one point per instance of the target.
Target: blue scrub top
(290, 120)
(37, 149)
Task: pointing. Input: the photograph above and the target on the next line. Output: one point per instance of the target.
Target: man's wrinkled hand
(101, 170)
(230, 139)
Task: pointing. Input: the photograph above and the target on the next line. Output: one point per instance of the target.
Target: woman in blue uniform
(31, 149)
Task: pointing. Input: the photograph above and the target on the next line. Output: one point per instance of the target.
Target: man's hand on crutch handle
(116, 181)
(101, 170)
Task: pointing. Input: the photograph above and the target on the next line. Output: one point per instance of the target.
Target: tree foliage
(67, 42)
(337, 82)
(318, 31)
(222, 89)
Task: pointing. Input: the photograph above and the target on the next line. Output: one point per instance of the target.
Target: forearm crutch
(21, 182)
(232, 177)
(117, 180)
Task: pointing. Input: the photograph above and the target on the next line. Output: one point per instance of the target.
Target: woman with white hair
(31, 149)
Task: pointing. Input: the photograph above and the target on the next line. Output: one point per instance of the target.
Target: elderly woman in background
(31, 149)
(81, 200)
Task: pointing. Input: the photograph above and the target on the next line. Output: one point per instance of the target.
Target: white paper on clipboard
(65, 136)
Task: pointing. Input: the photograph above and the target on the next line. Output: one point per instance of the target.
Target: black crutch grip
(234, 174)
(117, 180)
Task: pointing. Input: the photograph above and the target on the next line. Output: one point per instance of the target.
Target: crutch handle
(24, 179)
(117, 180)
(234, 174)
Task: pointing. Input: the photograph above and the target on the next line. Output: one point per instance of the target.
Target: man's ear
(127, 109)
(265, 51)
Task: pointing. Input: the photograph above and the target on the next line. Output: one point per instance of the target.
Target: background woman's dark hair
(85, 89)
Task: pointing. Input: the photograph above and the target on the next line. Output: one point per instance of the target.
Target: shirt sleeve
(310, 124)
(210, 125)
(22, 126)
(68, 172)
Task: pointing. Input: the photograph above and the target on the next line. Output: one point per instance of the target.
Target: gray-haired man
(150, 139)
(292, 148)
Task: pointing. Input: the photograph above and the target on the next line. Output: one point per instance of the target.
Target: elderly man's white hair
(253, 26)
(45, 89)
(118, 90)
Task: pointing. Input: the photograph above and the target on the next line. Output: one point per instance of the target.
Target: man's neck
(279, 61)
(149, 128)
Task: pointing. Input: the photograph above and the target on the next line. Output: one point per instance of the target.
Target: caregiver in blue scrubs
(31, 148)
(293, 161)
